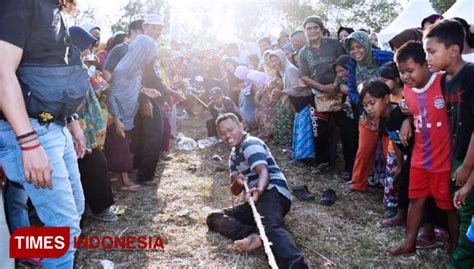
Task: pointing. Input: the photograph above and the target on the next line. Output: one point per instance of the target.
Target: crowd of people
(77, 114)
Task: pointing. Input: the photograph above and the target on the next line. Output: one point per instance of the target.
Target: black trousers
(147, 142)
(96, 185)
(237, 223)
(349, 133)
(403, 183)
(211, 127)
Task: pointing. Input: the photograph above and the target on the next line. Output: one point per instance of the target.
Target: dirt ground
(345, 235)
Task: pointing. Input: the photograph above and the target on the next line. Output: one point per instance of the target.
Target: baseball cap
(216, 92)
(154, 19)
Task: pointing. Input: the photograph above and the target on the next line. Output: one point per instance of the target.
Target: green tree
(136, 9)
(442, 6)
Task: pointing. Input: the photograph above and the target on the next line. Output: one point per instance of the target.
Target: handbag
(328, 103)
(54, 92)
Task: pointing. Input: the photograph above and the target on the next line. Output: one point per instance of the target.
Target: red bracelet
(25, 135)
(30, 147)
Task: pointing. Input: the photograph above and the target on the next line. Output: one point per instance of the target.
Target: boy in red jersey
(443, 43)
(430, 165)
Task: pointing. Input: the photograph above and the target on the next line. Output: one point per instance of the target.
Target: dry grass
(345, 235)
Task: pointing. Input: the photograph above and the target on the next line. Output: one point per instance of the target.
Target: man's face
(414, 74)
(264, 46)
(437, 55)
(153, 30)
(313, 31)
(296, 44)
(230, 132)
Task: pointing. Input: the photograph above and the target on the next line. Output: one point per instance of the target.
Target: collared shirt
(316, 63)
(251, 152)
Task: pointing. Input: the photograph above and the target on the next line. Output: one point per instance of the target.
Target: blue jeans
(5, 260)
(63, 205)
(16, 207)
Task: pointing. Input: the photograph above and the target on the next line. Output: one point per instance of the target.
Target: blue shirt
(252, 152)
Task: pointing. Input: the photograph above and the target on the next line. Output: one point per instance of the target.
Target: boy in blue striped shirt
(251, 161)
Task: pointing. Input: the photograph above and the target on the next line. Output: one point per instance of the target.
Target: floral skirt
(283, 125)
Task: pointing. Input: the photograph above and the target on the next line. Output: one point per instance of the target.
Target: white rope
(258, 220)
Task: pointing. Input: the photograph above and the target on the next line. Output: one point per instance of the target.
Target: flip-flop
(441, 233)
(422, 243)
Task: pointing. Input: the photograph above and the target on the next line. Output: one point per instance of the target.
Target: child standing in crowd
(345, 118)
(443, 43)
(376, 99)
(219, 105)
(388, 73)
(430, 169)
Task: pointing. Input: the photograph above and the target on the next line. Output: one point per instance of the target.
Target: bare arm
(316, 85)
(462, 173)
(262, 182)
(37, 168)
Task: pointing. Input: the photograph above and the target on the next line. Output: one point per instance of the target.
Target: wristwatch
(74, 117)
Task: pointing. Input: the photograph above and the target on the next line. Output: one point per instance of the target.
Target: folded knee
(213, 218)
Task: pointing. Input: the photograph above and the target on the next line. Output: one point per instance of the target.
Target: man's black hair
(376, 88)
(135, 25)
(226, 116)
(411, 50)
(265, 39)
(447, 32)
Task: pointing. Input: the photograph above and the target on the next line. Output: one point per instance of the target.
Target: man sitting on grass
(252, 162)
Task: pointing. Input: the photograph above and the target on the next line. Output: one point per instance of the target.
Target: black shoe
(303, 194)
(328, 197)
(346, 176)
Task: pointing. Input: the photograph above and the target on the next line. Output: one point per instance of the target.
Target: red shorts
(431, 184)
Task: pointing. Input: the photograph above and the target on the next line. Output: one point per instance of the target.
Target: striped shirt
(251, 152)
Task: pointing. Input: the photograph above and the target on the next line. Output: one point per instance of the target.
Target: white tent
(463, 9)
(413, 13)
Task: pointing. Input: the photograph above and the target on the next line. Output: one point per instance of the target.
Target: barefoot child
(376, 99)
(251, 161)
(443, 43)
(430, 168)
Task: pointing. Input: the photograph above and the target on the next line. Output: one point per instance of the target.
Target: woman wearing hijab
(230, 65)
(246, 97)
(122, 103)
(265, 110)
(283, 124)
(301, 98)
(367, 63)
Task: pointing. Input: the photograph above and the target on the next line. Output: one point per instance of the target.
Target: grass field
(345, 235)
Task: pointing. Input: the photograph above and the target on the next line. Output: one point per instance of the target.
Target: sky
(108, 11)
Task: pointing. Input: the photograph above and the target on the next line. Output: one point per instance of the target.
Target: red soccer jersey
(432, 149)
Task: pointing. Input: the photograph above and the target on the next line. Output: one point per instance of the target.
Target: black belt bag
(53, 93)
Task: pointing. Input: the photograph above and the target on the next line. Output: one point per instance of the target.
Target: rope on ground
(266, 243)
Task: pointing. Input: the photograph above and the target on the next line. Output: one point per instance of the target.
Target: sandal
(303, 194)
(328, 197)
(423, 243)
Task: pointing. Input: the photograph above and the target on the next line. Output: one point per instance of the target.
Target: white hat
(154, 19)
(89, 26)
